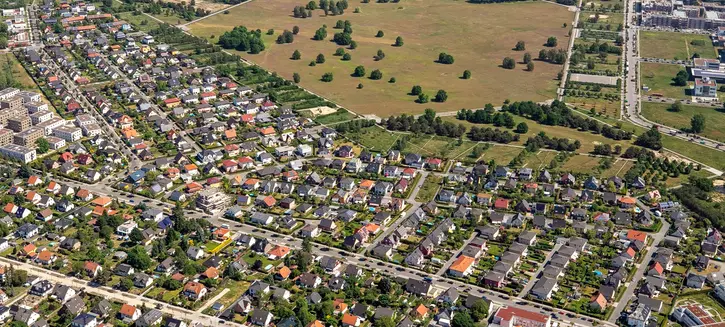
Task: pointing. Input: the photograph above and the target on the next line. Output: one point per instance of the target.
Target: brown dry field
(479, 36)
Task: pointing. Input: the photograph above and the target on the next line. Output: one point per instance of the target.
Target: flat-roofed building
(8, 93)
(91, 130)
(29, 97)
(68, 133)
(18, 152)
(28, 136)
(50, 125)
(12, 103)
(55, 142)
(41, 116)
(6, 136)
(19, 123)
(84, 119)
(34, 107)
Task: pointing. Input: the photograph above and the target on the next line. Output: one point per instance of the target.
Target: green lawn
(671, 45)
(658, 77)
(139, 22)
(429, 188)
(714, 118)
(438, 146)
(339, 116)
(374, 138)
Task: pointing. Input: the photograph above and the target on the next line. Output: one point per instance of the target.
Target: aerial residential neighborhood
(156, 170)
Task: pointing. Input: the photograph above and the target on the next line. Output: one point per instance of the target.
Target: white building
(34, 107)
(68, 133)
(705, 87)
(640, 316)
(18, 152)
(41, 116)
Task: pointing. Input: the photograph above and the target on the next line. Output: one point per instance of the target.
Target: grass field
(714, 118)
(478, 37)
(442, 147)
(429, 188)
(671, 45)
(588, 140)
(540, 159)
(619, 168)
(501, 154)
(581, 164)
(139, 22)
(374, 138)
(603, 106)
(658, 77)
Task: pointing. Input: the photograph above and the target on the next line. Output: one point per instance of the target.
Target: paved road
(91, 109)
(641, 270)
(440, 283)
(570, 46)
(534, 278)
(455, 255)
(117, 296)
(631, 107)
(414, 206)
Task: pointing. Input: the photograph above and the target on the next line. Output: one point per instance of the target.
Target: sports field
(478, 36)
(671, 45)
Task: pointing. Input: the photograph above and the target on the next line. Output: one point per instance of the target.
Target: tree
(126, 284)
(380, 34)
(359, 71)
(527, 58)
(380, 55)
(384, 322)
(42, 145)
(651, 139)
(462, 319)
(445, 58)
(391, 80)
(416, 90)
(681, 78)
(296, 55)
(675, 107)
(479, 310)
(398, 41)
(339, 52)
(346, 57)
(522, 128)
(520, 46)
(530, 66)
(466, 74)
(138, 258)
(295, 30)
(441, 96)
(359, 85)
(342, 38)
(353, 45)
(551, 41)
(697, 123)
(422, 98)
(327, 77)
(508, 63)
(136, 236)
(320, 34)
(320, 59)
(376, 74)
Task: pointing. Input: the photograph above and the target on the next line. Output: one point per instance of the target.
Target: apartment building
(19, 123)
(28, 136)
(6, 136)
(18, 152)
(68, 133)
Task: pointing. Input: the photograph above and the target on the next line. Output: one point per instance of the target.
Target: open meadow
(714, 118)
(658, 77)
(478, 36)
(671, 45)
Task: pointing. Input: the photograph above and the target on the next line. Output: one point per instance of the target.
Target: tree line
(488, 134)
(542, 140)
(427, 123)
(486, 116)
(354, 125)
(242, 39)
(558, 114)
